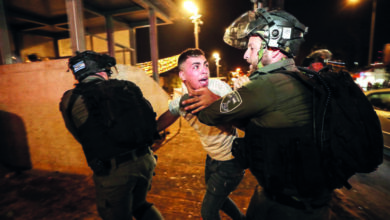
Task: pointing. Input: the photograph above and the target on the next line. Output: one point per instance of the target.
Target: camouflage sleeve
(241, 104)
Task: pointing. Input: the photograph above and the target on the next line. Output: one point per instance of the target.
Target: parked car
(380, 100)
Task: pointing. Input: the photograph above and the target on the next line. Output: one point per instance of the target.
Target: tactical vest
(119, 119)
(285, 161)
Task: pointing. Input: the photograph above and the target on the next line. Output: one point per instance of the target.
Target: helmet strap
(260, 54)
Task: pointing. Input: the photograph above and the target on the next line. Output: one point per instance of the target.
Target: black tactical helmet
(278, 29)
(89, 62)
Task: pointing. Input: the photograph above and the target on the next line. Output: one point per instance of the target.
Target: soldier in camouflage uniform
(275, 110)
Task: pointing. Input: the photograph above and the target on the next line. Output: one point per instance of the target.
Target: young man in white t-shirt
(222, 173)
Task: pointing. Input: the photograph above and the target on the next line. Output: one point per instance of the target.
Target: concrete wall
(32, 132)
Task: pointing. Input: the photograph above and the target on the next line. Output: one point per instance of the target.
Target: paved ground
(177, 190)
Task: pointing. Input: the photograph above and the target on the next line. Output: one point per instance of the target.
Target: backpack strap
(313, 80)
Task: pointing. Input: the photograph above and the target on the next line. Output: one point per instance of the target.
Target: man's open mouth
(204, 81)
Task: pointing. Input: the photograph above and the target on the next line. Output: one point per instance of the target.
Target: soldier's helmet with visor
(89, 62)
(278, 29)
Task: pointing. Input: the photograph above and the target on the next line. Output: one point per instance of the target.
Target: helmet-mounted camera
(278, 29)
(89, 62)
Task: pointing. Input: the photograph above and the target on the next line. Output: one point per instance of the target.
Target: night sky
(344, 30)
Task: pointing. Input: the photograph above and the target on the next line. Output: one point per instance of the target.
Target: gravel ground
(177, 189)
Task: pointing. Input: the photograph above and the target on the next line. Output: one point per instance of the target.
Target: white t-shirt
(216, 140)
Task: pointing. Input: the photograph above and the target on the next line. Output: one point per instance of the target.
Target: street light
(373, 16)
(195, 18)
(217, 59)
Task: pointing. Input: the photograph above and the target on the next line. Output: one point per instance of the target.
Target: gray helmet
(89, 62)
(278, 29)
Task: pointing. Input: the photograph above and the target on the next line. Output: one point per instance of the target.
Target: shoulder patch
(230, 102)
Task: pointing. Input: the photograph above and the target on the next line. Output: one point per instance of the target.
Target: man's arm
(237, 107)
(165, 120)
(200, 99)
(203, 97)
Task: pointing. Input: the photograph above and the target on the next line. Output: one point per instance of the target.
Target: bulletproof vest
(285, 160)
(119, 118)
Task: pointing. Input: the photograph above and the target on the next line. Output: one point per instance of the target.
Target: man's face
(270, 55)
(252, 52)
(195, 73)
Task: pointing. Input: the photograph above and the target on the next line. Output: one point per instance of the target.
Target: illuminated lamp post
(217, 59)
(191, 7)
(373, 16)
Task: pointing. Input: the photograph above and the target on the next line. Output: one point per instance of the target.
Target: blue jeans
(122, 194)
(222, 178)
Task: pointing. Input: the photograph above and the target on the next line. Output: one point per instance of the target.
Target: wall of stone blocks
(32, 132)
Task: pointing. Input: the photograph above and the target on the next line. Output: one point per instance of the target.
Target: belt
(131, 155)
(295, 202)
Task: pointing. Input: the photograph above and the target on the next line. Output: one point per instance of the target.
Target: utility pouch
(240, 153)
(100, 167)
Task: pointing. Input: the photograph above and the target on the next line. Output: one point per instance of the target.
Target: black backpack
(347, 129)
(119, 109)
